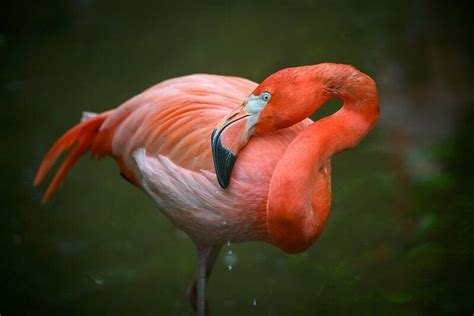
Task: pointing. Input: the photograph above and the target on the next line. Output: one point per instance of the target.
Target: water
(97, 279)
(230, 258)
(400, 235)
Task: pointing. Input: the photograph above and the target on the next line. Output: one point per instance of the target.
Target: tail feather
(84, 135)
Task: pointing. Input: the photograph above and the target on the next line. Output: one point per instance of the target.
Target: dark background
(400, 239)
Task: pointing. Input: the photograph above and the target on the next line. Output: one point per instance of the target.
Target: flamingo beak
(228, 138)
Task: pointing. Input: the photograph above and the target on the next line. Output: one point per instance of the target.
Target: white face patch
(255, 104)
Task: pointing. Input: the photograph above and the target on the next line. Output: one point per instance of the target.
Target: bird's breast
(195, 202)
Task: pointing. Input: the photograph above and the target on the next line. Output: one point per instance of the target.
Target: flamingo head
(281, 100)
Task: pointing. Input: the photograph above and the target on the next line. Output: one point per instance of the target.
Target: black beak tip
(224, 160)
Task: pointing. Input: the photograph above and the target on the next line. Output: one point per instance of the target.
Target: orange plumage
(273, 161)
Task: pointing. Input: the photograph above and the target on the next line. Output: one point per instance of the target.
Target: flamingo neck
(299, 193)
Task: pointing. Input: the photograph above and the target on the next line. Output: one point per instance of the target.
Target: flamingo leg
(206, 258)
(201, 280)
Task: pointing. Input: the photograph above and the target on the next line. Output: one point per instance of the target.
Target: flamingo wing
(173, 118)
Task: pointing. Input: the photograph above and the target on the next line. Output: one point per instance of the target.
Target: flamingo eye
(255, 104)
(265, 96)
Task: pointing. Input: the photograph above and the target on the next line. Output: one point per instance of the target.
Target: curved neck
(295, 214)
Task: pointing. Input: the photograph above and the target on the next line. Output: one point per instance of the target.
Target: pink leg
(206, 257)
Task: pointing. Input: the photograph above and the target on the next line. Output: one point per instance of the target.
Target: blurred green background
(400, 239)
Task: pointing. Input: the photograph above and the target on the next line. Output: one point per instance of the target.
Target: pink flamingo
(279, 188)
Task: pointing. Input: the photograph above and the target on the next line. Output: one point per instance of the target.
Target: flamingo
(226, 159)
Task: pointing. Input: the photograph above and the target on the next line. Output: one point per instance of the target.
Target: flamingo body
(160, 139)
